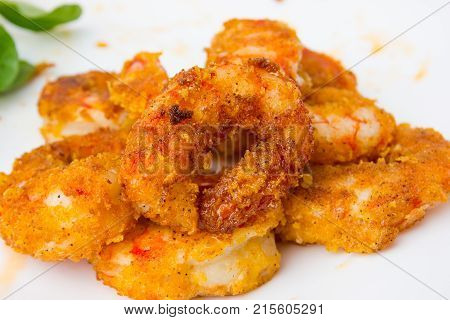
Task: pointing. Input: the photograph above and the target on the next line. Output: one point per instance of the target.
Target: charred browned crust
(177, 115)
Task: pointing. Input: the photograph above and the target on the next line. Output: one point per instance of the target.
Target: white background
(408, 78)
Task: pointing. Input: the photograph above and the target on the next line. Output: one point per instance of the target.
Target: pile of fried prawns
(174, 188)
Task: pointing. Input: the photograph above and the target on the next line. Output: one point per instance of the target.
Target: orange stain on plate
(345, 263)
(13, 263)
(41, 67)
(422, 72)
(181, 49)
(375, 41)
(101, 44)
(98, 7)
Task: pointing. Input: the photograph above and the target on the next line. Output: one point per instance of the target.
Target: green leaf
(33, 18)
(25, 74)
(9, 60)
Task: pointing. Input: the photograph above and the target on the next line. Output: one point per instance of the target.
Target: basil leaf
(25, 74)
(33, 18)
(9, 60)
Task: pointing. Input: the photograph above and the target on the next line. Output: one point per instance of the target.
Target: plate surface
(408, 77)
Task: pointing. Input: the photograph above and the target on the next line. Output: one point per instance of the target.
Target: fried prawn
(155, 262)
(242, 39)
(363, 207)
(78, 105)
(63, 200)
(84, 103)
(347, 126)
(168, 146)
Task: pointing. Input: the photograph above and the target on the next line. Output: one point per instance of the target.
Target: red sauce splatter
(416, 202)
(154, 251)
(81, 192)
(139, 252)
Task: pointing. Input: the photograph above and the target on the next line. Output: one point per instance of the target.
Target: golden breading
(141, 79)
(63, 152)
(155, 262)
(242, 39)
(3, 182)
(66, 212)
(347, 126)
(320, 70)
(167, 146)
(59, 196)
(78, 105)
(363, 207)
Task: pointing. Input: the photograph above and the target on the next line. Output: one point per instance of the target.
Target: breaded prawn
(62, 153)
(242, 39)
(155, 262)
(347, 126)
(78, 105)
(166, 148)
(63, 201)
(363, 207)
(84, 103)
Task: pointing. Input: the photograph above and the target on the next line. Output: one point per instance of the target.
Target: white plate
(409, 78)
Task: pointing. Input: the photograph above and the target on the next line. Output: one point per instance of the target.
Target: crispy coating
(78, 105)
(141, 79)
(63, 200)
(67, 212)
(3, 182)
(363, 207)
(155, 262)
(347, 126)
(242, 39)
(62, 153)
(168, 146)
(320, 70)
